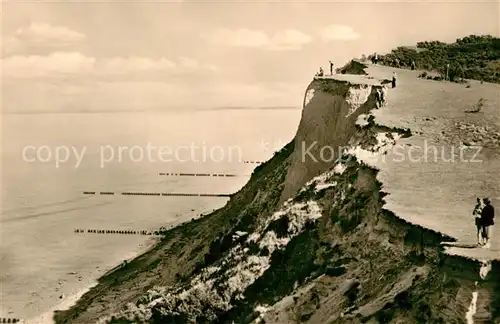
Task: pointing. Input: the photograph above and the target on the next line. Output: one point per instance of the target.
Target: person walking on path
(478, 209)
(378, 98)
(413, 65)
(394, 79)
(460, 73)
(487, 216)
(383, 95)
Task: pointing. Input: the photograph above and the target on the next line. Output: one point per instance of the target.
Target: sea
(50, 159)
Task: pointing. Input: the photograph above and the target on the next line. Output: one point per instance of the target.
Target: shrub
(423, 75)
(478, 106)
(472, 57)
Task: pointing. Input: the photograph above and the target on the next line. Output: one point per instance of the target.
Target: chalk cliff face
(305, 241)
(331, 108)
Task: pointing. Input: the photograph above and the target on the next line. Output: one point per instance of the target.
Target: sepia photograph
(250, 162)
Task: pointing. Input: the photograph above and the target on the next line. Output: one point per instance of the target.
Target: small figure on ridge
(383, 97)
(477, 214)
(378, 98)
(487, 215)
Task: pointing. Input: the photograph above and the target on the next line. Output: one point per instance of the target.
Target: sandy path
(438, 190)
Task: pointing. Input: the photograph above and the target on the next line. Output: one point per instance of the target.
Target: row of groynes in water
(110, 193)
(201, 174)
(9, 320)
(112, 231)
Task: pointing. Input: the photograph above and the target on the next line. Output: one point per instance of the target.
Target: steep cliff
(331, 108)
(307, 240)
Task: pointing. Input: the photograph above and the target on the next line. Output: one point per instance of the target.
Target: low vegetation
(472, 57)
(353, 67)
(478, 106)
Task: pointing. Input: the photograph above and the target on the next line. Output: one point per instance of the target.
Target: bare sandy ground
(438, 189)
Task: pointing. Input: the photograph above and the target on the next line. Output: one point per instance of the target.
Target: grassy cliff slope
(305, 241)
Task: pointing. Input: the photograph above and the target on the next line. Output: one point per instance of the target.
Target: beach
(45, 264)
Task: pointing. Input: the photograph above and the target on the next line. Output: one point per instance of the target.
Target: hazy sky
(110, 55)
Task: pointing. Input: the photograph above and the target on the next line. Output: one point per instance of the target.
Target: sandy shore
(69, 301)
(46, 318)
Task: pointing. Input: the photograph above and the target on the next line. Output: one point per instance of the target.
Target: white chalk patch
(385, 142)
(485, 269)
(373, 156)
(339, 168)
(238, 234)
(309, 96)
(271, 241)
(483, 272)
(469, 316)
(356, 97)
(242, 271)
(262, 310)
(321, 187)
(253, 237)
(362, 120)
(323, 182)
(368, 157)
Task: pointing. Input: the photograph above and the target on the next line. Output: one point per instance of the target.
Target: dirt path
(438, 189)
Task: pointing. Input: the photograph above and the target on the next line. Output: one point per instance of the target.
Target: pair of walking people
(484, 214)
(381, 96)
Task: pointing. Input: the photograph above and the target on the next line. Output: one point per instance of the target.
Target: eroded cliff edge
(304, 241)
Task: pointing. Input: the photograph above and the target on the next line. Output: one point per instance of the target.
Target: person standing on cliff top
(378, 98)
(394, 79)
(383, 96)
(460, 72)
(487, 216)
(478, 209)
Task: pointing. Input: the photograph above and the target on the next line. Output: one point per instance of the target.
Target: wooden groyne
(109, 193)
(253, 162)
(115, 231)
(202, 174)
